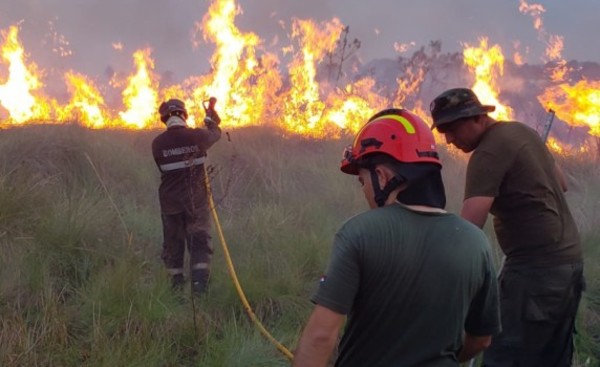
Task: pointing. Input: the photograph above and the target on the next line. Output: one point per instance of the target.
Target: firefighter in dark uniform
(180, 154)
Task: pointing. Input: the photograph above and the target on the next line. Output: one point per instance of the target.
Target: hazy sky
(91, 27)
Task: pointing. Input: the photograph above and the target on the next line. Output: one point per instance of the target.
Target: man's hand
(212, 118)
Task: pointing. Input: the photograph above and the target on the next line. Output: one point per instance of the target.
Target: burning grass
(82, 282)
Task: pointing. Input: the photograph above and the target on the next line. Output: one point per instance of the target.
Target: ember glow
(286, 88)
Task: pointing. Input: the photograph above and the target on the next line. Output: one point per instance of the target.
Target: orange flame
(86, 105)
(518, 59)
(251, 88)
(16, 95)
(140, 97)
(487, 64)
(536, 11)
(555, 146)
(567, 149)
(409, 84)
(239, 76)
(517, 56)
(577, 105)
(554, 43)
(303, 108)
(350, 110)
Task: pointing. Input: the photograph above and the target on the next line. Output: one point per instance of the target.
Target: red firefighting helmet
(395, 132)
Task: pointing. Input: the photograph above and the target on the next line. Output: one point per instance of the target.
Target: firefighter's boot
(199, 281)
(177, 281)
(200, 259)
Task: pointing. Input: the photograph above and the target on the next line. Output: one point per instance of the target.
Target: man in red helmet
(180, 153)
(512, 175)
(416, 283)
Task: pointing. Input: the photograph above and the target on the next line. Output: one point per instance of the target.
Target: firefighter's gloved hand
(212, 118)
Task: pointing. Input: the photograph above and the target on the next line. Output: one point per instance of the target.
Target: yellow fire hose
(234, 277)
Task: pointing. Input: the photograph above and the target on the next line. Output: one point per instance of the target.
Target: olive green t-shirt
(532, 220)
(410, 283)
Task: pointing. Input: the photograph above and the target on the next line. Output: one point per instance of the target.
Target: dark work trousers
(538, 306)
(180, 230)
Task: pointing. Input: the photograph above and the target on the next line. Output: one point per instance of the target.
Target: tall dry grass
(81, 282)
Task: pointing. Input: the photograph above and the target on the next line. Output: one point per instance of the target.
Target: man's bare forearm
(318, 339)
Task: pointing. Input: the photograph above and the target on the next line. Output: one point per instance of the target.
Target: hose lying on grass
(286, 352)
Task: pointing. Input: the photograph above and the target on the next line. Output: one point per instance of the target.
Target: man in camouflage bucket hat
(512, 175)
(455, 104)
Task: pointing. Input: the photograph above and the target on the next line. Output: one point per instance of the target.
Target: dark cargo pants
(538, 306)
(180, 230)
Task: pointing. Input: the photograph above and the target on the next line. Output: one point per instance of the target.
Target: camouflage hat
(455, 104)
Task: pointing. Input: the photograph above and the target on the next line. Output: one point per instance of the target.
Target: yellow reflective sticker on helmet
(408, 126)
(410, 129)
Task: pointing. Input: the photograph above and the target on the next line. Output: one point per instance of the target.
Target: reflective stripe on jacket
(179, 153)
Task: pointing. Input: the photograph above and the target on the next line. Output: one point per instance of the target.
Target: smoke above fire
(292, 65)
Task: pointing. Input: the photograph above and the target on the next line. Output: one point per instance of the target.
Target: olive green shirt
(532, 220)
(411, 283)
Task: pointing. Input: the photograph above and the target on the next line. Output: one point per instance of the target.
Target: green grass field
(82, 284)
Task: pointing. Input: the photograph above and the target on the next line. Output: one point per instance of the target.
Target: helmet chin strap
(381, 195)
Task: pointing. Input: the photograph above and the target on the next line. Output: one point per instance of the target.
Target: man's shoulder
(175, 131)
(366, 220)
(158, 138)
(506, 141)
(502, 138)
(159, 135)
(356, 219)
(399, 215)
(509, 129)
